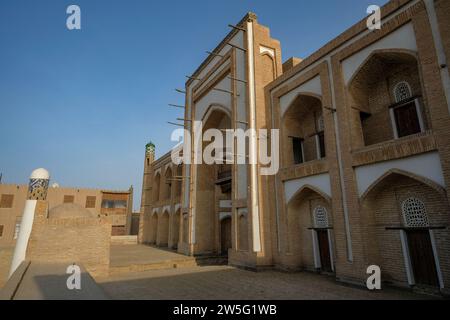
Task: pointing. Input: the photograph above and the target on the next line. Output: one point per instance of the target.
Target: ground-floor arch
(163, 230)
(403, 220)
(175, 230)
(309, 231)
(153, 228)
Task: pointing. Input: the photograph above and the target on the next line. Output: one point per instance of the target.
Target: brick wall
(84, 240)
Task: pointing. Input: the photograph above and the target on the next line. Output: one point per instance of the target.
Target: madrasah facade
(364, 154)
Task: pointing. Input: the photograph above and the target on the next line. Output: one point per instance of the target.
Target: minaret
(147, 181)
(37, 191)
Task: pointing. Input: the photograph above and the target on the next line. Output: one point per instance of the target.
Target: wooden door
(407, 120)
(324, 250)
(422, 257)
(225, 235)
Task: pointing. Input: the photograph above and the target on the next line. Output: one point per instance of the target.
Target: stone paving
(228, 283)
(124, 255)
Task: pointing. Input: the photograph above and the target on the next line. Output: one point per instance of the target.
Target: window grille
(320, 217)
(402, 91)
(415, 213)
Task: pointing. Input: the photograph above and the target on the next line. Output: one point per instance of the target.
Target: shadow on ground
(227, 283)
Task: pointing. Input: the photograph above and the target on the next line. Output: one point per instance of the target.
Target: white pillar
(37, 190)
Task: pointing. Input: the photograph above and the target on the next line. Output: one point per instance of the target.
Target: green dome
(150, 147)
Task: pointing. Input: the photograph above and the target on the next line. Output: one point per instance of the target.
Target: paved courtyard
(227, 283)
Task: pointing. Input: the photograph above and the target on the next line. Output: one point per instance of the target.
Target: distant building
(115, 204)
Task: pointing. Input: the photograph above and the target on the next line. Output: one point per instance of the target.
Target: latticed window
(6, 201)
(68, 199)
(402, 91)
(320, 217)
(415, 213)
(90, 201)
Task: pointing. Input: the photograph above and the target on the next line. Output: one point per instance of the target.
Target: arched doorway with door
(309, 237)
(404, 218)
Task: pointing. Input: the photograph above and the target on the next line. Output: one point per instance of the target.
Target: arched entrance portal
(213, 188)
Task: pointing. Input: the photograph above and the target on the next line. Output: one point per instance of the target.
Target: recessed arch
(372, 100)
(408, 174)
(175, 228)
(156, 187)
(211, 182)
(215, 107)
(301, 138)
(309, 242)
(411, 53)
(309, 188)
(163, 229)
(167, 186)
(397, 213)
(297, 95)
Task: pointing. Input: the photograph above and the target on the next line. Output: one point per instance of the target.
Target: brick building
(364, 150)
(115, 204)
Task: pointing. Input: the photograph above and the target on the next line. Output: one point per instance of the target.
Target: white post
(37, 190)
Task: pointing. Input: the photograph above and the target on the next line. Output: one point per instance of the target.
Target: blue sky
(83, 104)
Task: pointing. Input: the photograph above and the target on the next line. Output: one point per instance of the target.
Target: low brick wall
(86, 240)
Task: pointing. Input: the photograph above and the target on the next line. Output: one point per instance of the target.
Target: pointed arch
(407, 174)
(156, 186)
(406, 52)
(309, 188)
(299, 95)
(215, 107)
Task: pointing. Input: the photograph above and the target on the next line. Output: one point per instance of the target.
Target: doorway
(225, 236)
(324, 250)
(422, 257)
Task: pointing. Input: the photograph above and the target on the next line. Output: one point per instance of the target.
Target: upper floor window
(414, 213)
(6, 201)
(405, 114)
(297, 146)
(68, 199)
(402, 92)
(1, 230)
(114, 204)
(90, 201)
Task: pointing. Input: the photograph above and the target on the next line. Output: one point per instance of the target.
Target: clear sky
(83, 104)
